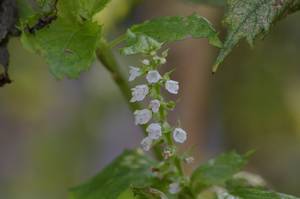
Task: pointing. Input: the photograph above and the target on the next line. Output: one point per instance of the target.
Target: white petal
(179, 135)
(146, 62)
(153, 76)
(139, 93)
(154, 131)
(146, 143)
(161, 60)
(174, 188)
(142, 116)
(189, 160)
(134, 72)
(154, 105)
(172, 86)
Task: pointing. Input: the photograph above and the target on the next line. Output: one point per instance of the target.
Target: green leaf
(69, 47)
(257, 193)
(128, 194)
(169, 29)
(139, 43)
(285, 196)
(252, 20)
(130, 169)
(81, 9)
(148, 193)
(218, 170)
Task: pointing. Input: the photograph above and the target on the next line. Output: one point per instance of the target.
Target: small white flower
(154, 105)
(146, 62)
(174, 188)
(134, 72)
(167, 153)
(153, 76)
(146, 143)
(152, 53)
(189, 160)
(172, 86)
(142, 116)
(179, 135)
(161, 60)
(154, 131)
(139, 93)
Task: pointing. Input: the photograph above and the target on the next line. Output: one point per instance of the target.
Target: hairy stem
(107, 58)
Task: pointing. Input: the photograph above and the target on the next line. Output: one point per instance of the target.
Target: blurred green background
(56, 134)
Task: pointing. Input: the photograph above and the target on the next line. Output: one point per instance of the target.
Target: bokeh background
(56, 134)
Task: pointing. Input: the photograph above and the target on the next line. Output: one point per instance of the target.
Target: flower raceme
(139, 93)
(159, 131)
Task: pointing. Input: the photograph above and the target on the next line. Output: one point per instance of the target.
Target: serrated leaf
(251, 20)
(218, 170)
(130, 168)
(68, 47)
(169, 29)
(81, 9)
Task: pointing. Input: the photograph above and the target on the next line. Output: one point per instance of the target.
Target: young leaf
(69, 47)
(218, 170)
(252, 19)
(169, 29)
(129, 169)
(140, 44)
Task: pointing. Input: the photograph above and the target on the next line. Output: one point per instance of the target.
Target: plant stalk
(106, 57)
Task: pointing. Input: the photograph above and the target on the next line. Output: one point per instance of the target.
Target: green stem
(116, 41)
(107, 58)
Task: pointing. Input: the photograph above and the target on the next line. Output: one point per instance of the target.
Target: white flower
(154, 131)
(189, 160)
(142, 116)
(146, 62)
(161, 60)
(167, 153)
(139, 93)
(179, 135)
(146, 143)
(172, 86)
(174, 188)
(154, 105)
(153, 76)
(134, 72)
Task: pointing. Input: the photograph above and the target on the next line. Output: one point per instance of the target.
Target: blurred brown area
(55, 134)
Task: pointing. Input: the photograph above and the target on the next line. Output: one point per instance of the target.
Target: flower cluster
(157, 106)
(155, 114)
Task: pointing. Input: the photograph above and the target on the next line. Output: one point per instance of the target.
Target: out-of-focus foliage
(258, 102)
